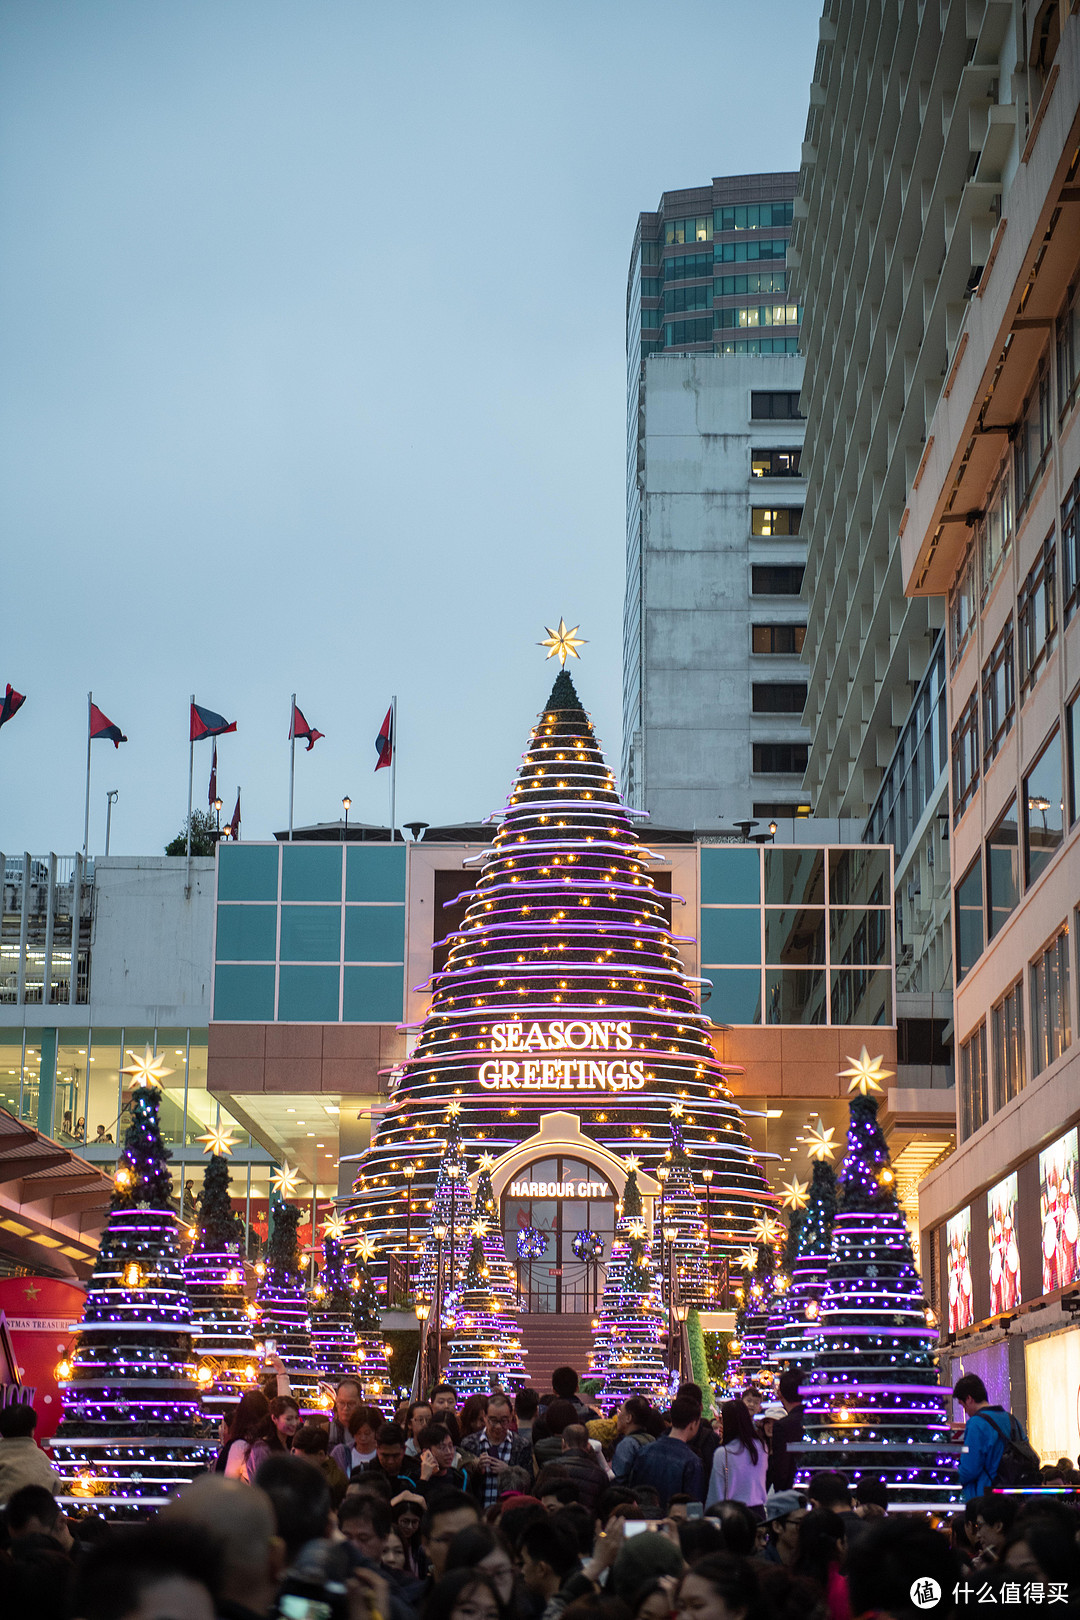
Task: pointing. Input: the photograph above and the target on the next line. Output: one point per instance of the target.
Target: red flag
(13, 702)
(211, 792)
(234, 825)
(205, 723)
(384, 742)
(102, 726)
(301, 729)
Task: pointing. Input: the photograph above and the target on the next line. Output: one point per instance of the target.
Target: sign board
(563, 1066)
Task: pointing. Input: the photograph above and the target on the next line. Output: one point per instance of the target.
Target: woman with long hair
(819, 1554)
(248, 1421)
(740, 1461)
(277, 1432)
(464, 1594)
(484, 1547)
(721, 1587)
(407, 1510)
(473, 1414)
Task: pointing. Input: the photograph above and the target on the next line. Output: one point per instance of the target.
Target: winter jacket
(22, 1462)
(586, 1475)
(671, 1468)
(626, 1450)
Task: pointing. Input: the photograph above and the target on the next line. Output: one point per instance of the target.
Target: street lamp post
(217, 821)
(111, 797)
(707, 1178)
(423, 1311)
(346, 805)
(408, 1171)
(682, 1311)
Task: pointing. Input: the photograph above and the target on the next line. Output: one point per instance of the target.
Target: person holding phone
(438, 1459)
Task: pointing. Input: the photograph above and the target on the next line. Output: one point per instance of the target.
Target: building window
(775, 464)
(766, 315)
(998, 692)
(776, 579)
(1043, 818)
(751, 251)
(1068, 352)
(1036, 614)
(680, 298)
(962, 607)
(1003, 869)
(969, 919)
(686, 266)
(753, 216)
(754, 281)
(973, 1087)
(688, 230)
(777, 638)
(679, 332)
(965, 756)
(920, 756)
(1072, 757)
(1050, 1022)
(779, 697)
(775, 407)
(995, 535)
(1070, 549)
(1007, 1040)
(775, 520)
(1033, 438)
(780, 759)
(773, 810)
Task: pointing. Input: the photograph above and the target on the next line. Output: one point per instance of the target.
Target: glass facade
(310, 933)
(797, 935)
(921, 755)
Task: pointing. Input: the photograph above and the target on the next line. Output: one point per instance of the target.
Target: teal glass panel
(246, 933)
(243, 994)
(736, 996)
(732, 934)
(308, 995)
(247, 871)
(311, 872)
(731, 877)
(861, 997)
(374, 933)
(794, 997)
(374, 995)
(311, 933)
(376, 872)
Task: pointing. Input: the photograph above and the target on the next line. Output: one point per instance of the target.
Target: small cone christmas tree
(873, 1404)
(371, 1350)
(780, 1307)
(451, 1211)
(485, 1350)
(131, 1433)
(227, 1361)
(282, 1299)
(751, 1362)
(799, 1336)
(501, 1279)
(683, 1212)
(630, 1329)
(333, 1336)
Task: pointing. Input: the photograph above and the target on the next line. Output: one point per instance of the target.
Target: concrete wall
(152, 939)
(698, 729)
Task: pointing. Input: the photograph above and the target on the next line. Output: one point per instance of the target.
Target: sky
(312, 378)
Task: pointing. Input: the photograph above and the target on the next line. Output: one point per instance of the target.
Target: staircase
(555, 1341)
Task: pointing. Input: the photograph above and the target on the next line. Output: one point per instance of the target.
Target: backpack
(1019, 1465)
(643, 1442)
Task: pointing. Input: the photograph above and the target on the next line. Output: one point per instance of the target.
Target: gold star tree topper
(820, 1142)
(218, 1140)
(334, 1227)
(285, 1180)
(766, 1229)
(146, 1070)
(479, 1227)
(747, 1258)
(487, 1161)
(366, 1250)
(865, 1073)
(563, 643)
(794, 1193)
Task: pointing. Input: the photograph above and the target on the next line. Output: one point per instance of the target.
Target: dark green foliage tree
(333, 1336)
(204, 835)
(797, 1336)
(370, 1339)
(214, 1272)
(218, 1227)
(282, 1303)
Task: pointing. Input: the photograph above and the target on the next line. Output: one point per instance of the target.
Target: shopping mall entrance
(550, 1208)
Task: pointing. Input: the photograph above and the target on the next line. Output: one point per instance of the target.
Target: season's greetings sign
(563, 1056)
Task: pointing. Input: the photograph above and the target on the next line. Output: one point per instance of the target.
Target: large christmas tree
(799, 1335)
(485, 1347)
(371, 1348)
(131, 1433)
(227, 1361)
(333, 1335)
(873, 1404)
(281, 1299)
(562, 990)
(630, 1330)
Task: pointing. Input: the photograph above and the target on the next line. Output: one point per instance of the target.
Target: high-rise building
(713, 689)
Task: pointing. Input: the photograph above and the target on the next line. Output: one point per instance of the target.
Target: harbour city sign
(573, 1057)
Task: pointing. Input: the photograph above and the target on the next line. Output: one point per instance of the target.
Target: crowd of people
(531, 1507)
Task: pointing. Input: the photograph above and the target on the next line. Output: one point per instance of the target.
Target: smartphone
(270, 1347)
(634, 1527)
(694, 1510)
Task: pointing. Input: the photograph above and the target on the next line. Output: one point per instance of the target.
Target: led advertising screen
(961, 1306)
(1004, 1253)
(1057, 1213)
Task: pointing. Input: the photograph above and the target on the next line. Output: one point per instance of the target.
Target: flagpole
(393, 767)
(292, 759)
(86, 813)
(190, 784)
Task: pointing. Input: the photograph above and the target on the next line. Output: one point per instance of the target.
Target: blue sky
(312, 377)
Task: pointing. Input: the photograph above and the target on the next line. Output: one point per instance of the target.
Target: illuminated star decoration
(334, 1227)
(487, 1162)
(285, 1180)
(794, 1193)
(479, 1227)
(633, 1162)
(218, 1140)
(366, 1250)
(866, 1073)
(453, 1110)
(766, 1229)
(147, 1070)
(637, 1229)
(677, 1110)
(820, 1141)
(748, 1258)
(563, 643)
